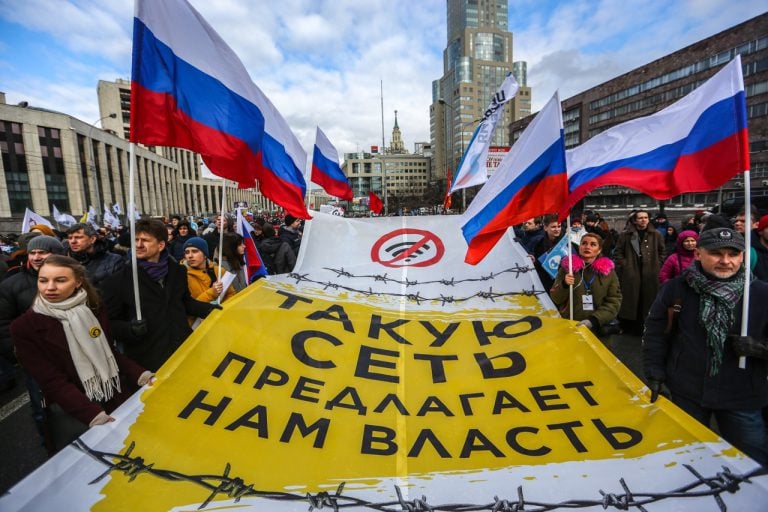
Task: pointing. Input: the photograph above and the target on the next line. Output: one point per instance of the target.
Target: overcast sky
(321, 62)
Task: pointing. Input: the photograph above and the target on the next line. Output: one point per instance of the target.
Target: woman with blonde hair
(62, 341)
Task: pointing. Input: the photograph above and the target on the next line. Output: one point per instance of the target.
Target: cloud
(84, 27)
(578, 45)
(322, 61)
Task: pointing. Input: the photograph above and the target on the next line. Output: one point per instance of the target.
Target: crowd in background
(69, 325)
(681, 288)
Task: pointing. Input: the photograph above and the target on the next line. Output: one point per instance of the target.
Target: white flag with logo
(110, 218)
(31, 219)
(116, 209)
(472, 169)
(64, 219)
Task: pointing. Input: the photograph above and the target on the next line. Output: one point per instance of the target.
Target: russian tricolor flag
(531, 180)
(693, 145)
(326, 170)
(190, 90)
(254, 265)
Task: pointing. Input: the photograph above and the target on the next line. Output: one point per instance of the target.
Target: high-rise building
(476, 60)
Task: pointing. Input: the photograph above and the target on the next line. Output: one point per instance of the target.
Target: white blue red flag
(190, 90)
(531, 180)
(326, 170)
(473, 169)
(693, 145)
(254, 265)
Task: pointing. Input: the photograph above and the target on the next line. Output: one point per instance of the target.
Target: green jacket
(604, 288)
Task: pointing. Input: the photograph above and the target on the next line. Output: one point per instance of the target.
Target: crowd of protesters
(681, 289)
(68, 321)
(69, 325)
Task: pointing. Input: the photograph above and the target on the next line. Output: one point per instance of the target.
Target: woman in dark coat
(596, 291)
(62, 342)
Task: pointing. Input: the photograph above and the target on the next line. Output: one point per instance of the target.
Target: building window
(15, 164)
(53, 167)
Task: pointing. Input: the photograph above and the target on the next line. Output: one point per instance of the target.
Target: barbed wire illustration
(417, 297)
(236, 488)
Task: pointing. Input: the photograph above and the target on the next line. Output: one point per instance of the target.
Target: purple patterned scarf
(157, 271)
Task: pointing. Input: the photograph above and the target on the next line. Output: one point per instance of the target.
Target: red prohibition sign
(415, 248)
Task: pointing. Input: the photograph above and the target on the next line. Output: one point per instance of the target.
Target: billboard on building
(495, 156)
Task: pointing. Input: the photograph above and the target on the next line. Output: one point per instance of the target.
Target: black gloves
(139, 328)
(655, 386)
(747, 346)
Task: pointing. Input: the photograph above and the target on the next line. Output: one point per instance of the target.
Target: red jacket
(41, 348)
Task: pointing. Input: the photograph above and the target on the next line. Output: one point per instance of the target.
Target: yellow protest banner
(386, 380)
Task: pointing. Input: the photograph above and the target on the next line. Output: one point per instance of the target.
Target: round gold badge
(95, 332)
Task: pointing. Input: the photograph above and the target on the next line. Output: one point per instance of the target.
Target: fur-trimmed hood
(602, 265)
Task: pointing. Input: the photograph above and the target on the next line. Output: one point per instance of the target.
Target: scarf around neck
(94, 362)
(717, 305)
(157, 271)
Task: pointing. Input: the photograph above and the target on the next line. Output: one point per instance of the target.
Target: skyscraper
(477, 58)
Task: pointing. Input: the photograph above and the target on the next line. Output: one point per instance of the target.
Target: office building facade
(658, 84)
(50, 158)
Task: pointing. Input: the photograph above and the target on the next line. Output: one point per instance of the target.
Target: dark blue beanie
(197, 243)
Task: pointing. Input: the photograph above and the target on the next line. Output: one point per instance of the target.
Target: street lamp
(113, 115)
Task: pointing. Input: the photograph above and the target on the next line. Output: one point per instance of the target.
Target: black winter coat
(17, 292)
(761, 266)
(277, 255)
(100, 264)
(164, 307)
(683, 362)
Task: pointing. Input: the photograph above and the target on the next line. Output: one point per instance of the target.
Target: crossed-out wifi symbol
(411, 249)
(408, 247)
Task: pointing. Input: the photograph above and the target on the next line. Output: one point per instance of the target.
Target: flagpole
(747, 259)
(221, 231)
(132, 223)
(570, 264)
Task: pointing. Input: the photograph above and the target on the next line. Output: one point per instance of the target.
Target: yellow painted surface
(551, 393)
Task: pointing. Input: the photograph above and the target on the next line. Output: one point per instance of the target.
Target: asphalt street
(22, 452)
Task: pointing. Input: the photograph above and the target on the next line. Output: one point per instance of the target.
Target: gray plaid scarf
(717, 306)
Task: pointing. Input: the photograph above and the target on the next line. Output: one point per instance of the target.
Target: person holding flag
(232, 259)
(203, 276)
(253, 265)
(596, 291)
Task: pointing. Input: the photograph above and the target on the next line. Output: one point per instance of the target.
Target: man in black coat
(699, 360)
(93, 253)
(165, 301)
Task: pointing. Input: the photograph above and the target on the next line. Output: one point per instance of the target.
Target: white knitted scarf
(94, 361)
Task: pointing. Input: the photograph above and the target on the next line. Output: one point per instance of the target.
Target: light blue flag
(551, 260)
